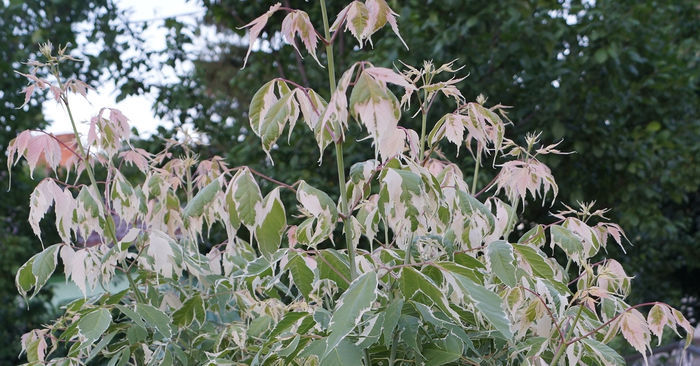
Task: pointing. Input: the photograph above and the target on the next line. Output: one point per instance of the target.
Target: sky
(136, 108)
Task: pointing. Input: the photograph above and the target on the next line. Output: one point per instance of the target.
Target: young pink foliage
(74, 266)
(41, 200)
(518, 177)
(256, 26)
(364, 19)
(137, 157)
(33, 148)
(298, 22)
(635, 330)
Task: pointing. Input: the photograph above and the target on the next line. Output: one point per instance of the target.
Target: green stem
(569, 332)
(339, 151)
(392, 355)
(476, 172)
(424, 120)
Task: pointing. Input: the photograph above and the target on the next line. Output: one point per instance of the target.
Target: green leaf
(93, 324)
(344, 354)
(25, 280)
(195, 207)
(605, 354)
(259, 104)
(488, 303)
(449, 350)
(536, 259)
(287, 321)
(191, 310)
(246, 195)
(44, 265)
(334, 266)
(352, 304)
(391, 320)
(155, 318)
(412, 281)
(566, 240)
(500, 255)
(276, 118)
(302, 276)
(271, 226)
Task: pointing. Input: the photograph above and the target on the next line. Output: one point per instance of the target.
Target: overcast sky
(136, 108)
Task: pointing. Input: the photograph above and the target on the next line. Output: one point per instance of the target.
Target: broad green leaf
(134, 316)
(409, 327)
(25, 280)
(354, 302)
(534, 237)
(488, 303)
(271, 221)
(43, 265)
(371, 331)
(334, 266)
(536, 259)
(448, 350)
(246, 196)
(567, 241)
(191, 310)
(302, 276)
(344, 354)
(391, 320)
(92, 325)
(321, 208)
(282, 111)
(606, 355)
(155, 318)
(195, 207)
(261, 102)
(287, 321)
(412, 282)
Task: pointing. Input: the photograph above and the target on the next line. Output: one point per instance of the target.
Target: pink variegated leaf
(40, 201)
(17, 147)
(518, 178)
(355, 16)
(256, 26)
(28, 91)
(295, 23)
(682, 322)
(39, 82)
(659, 316)
(74, 266)
(379, 13)
(137, 157)
(635, 330)
(34, 345)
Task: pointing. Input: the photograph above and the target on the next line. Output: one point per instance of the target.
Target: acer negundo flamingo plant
(428, 274)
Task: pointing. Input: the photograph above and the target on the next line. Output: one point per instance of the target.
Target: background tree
(617, 80)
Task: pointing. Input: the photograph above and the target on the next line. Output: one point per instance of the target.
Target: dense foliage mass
(617, 80)
(428, 268)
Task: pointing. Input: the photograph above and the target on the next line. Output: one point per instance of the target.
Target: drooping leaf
(271, 221)
(500, 256)
(488, 303)
(192, 309)
(196, 206)
(302, 275)
(92, 325)
(354, 302)
(256, 26)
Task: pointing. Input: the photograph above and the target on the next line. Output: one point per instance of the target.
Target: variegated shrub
(409, 263)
